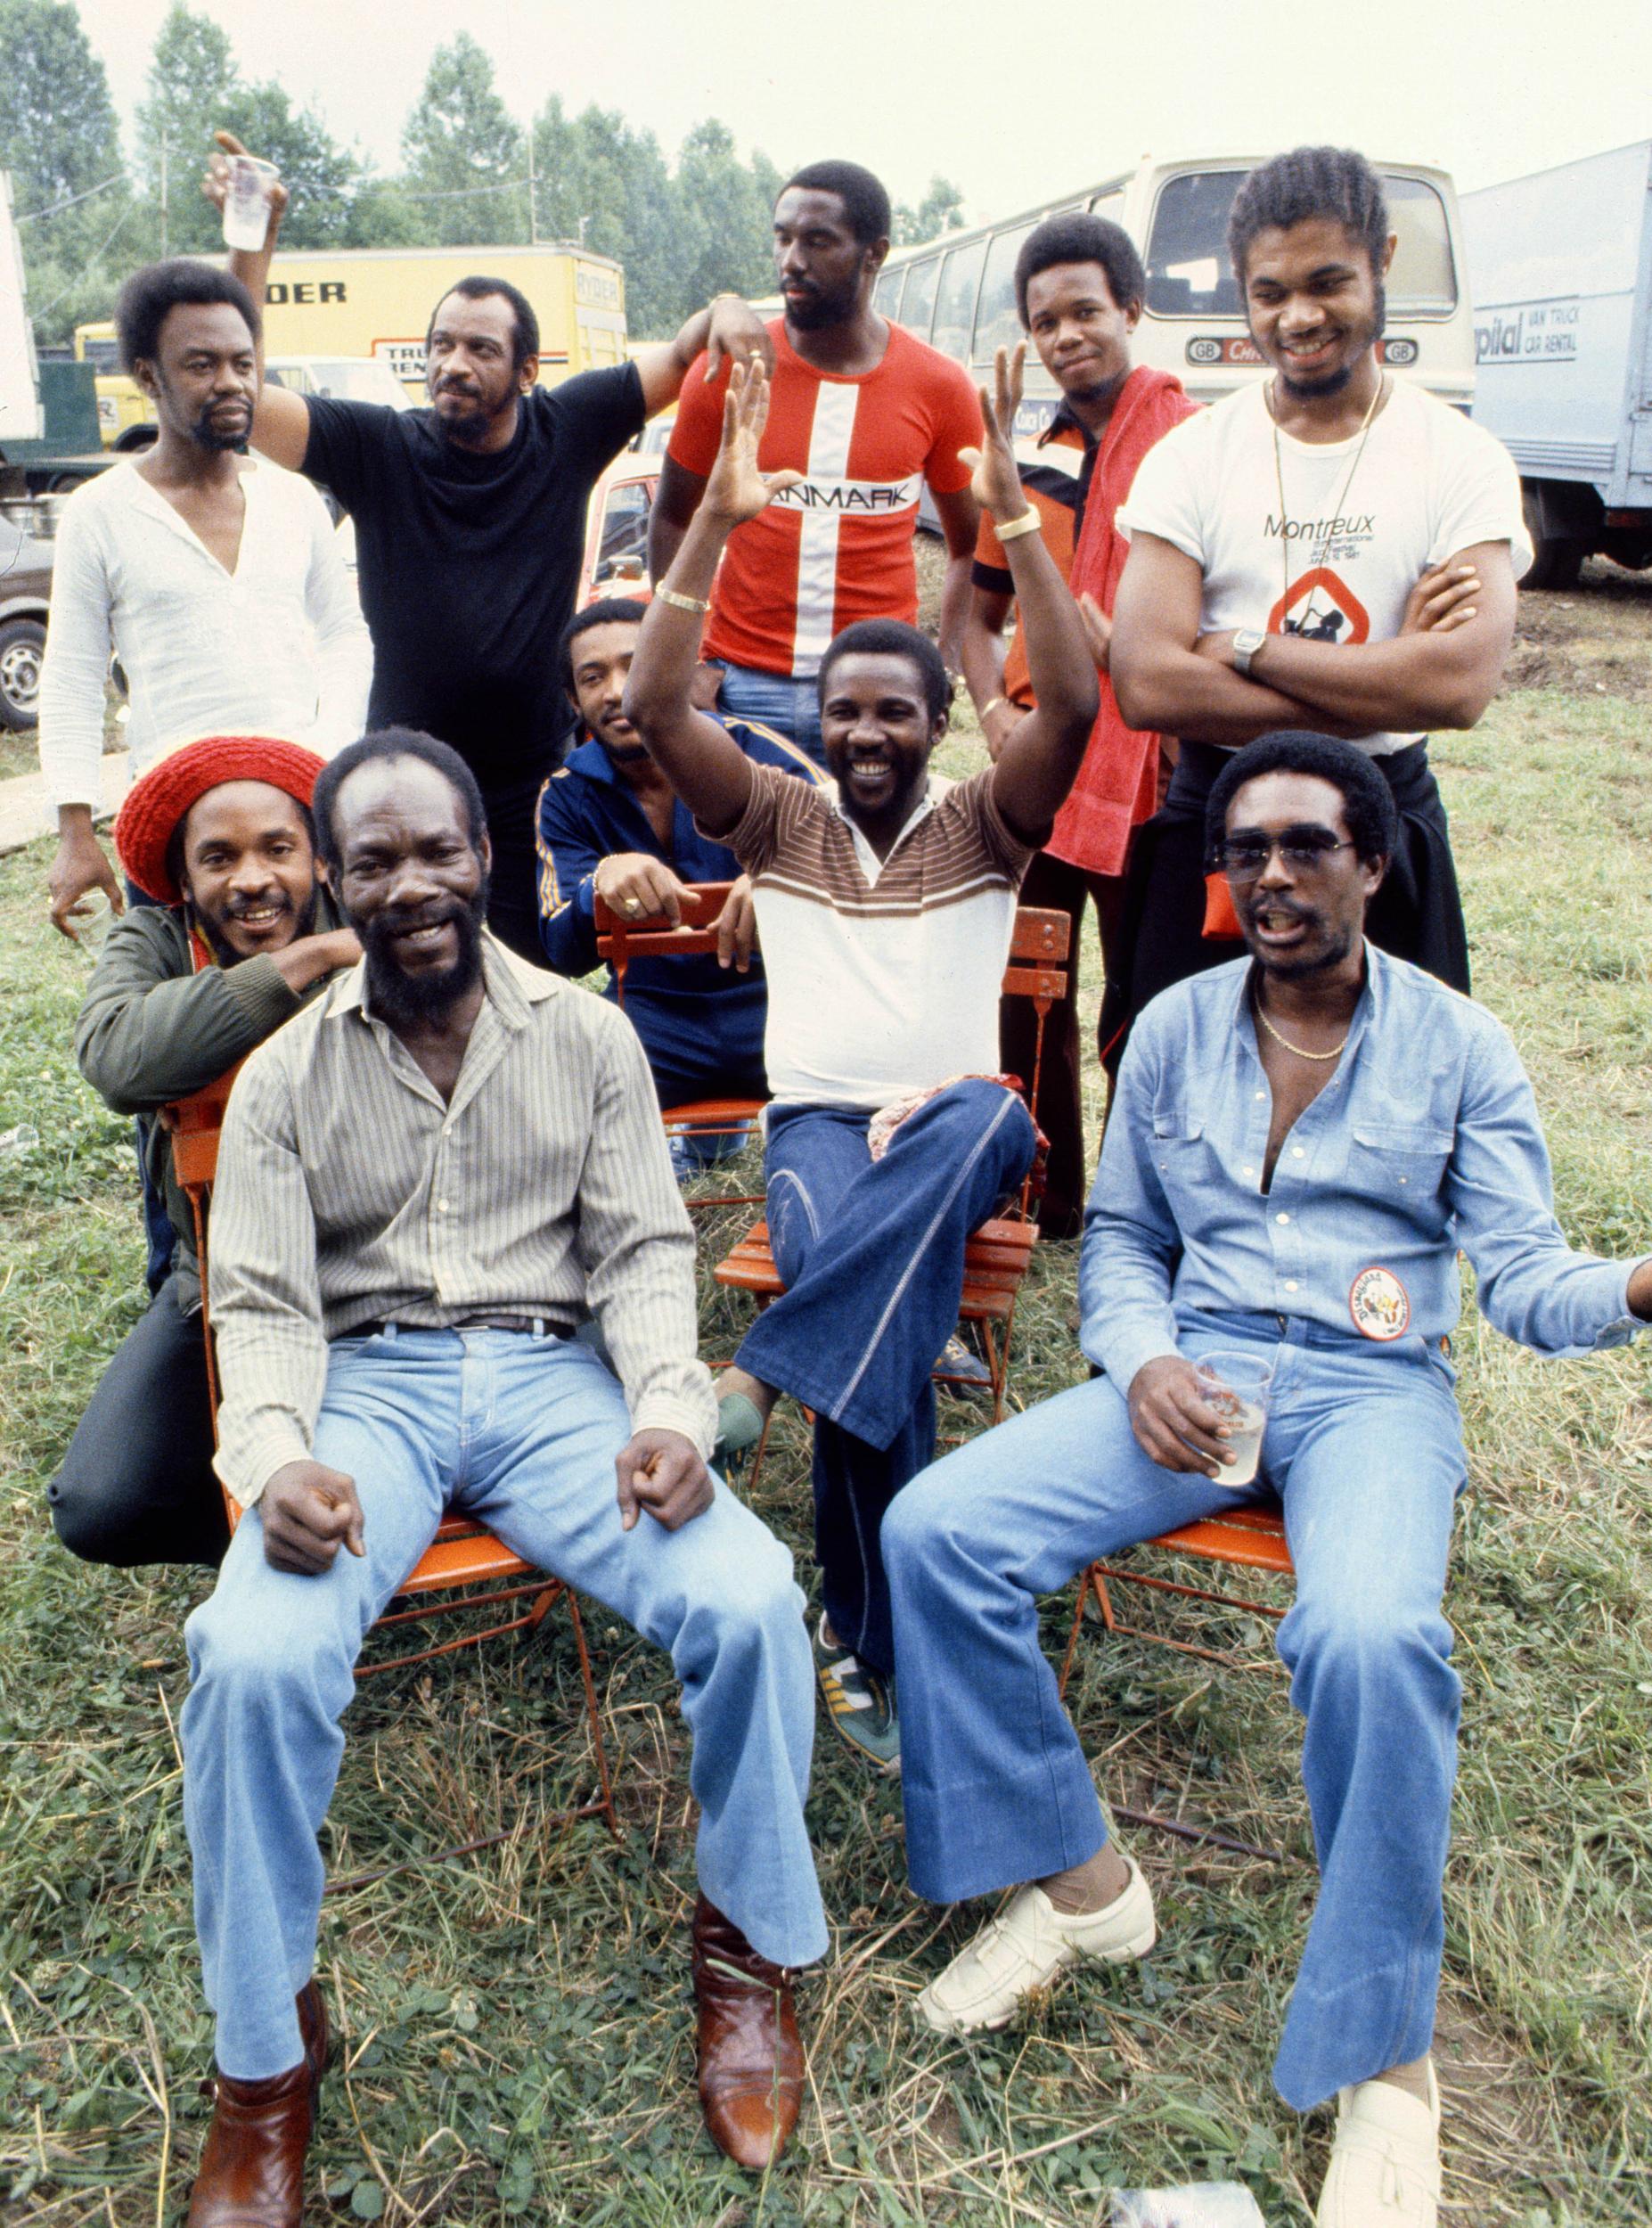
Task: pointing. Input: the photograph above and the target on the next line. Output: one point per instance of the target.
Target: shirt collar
(1066, 421)
(593, 761)
(873, 865)
(1368, 1007)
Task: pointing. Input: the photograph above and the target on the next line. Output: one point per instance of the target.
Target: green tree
(58, 140)
(465, 155)
(606, 187)
(728, 209)
(192, 87)
(940, 211)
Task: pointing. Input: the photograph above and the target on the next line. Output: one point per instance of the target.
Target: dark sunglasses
(1241, 859)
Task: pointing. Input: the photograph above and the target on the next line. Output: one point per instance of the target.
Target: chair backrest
(1039, 946)
(619, 941)
(196, 1123)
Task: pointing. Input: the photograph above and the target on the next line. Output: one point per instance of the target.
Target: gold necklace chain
(1336, 508)
(1335, 1052)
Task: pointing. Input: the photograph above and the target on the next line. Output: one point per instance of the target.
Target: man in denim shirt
(1301, 1143)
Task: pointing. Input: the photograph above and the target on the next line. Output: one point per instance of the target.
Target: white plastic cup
(1239, 1384)
(246, 201)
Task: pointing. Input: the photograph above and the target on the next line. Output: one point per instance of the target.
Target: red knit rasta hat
(158, 800)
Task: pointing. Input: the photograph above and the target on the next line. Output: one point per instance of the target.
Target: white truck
(1560, 272)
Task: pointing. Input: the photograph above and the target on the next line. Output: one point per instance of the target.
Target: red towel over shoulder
(1117, 782)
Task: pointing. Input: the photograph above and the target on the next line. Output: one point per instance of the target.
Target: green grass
(518, 2036)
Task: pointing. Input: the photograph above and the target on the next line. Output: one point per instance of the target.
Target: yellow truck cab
(125, 418)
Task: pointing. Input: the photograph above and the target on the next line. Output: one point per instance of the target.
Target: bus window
(1110, 205)
(1422, 281)
(103, 355)
(954, 311)
(997, 320)
(1187, 253)
(886, 294)
(919, 300)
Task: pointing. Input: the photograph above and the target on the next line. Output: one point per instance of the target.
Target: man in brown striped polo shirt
(884, 919)
(422, 1186)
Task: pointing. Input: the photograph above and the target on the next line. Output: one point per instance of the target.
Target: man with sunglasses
(1300, 1142)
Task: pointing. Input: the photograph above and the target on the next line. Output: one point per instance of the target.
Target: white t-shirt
(278, 647)
(1355, 537)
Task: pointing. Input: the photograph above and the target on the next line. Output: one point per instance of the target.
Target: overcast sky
(1015, 103)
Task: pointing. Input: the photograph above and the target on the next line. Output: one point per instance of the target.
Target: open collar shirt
(1426, 1140)
(349, 1193)
(277, 647)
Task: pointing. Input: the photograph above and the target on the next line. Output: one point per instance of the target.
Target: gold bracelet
(991, 706)
(1029, 523)
(681, 602)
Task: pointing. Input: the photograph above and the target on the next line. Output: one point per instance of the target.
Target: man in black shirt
(470, 527)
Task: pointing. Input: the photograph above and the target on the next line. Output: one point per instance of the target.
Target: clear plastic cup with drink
(247, 195)
(1238, 1386)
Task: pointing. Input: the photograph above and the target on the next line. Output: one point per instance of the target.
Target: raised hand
(214, 185)
(738, 489)
(995, 482)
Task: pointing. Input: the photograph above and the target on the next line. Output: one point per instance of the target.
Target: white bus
(958, 292)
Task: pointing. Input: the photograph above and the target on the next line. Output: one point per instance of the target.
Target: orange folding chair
(620, 941)
(464, 1555)
(999, 1255)
(1245, 1539)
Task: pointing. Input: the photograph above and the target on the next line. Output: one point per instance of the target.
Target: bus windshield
(1187, 253)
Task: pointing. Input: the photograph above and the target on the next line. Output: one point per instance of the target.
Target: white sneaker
(1385, 2165)
(1027, 1945)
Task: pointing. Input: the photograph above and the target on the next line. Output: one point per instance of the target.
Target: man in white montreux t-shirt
(1329, 548)
(884, 919)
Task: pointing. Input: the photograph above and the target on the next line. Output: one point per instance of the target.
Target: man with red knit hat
(1079, 286)
(241, 933)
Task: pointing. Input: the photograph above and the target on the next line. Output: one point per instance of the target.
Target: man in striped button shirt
(422, 1187)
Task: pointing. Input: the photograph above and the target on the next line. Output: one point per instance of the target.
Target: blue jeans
(520, 1431)
(872, 1255)
(1364, 1448)
(774, 699)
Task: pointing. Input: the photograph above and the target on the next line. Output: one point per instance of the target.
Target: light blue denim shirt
(1425, 1140)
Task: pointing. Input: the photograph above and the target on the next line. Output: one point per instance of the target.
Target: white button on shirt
(277, 647)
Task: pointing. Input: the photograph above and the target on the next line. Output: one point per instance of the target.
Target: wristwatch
(1247, 641)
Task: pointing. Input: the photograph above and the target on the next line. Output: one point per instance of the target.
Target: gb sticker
(1380, 1305)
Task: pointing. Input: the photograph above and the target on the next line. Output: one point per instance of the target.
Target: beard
(212, 926)
(407, 1001)
(829, 306)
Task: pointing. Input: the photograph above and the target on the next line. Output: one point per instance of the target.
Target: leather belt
(541, 1325)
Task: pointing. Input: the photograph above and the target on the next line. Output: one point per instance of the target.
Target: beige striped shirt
(349, 1193)
(883, 973)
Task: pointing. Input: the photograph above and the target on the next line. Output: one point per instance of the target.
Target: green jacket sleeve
(149, 1031)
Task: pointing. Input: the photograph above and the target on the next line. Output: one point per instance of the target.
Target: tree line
(471, 174)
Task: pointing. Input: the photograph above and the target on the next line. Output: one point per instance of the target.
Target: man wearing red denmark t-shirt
(866, 413)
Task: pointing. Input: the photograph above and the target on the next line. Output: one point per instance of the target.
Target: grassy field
(518, 2035)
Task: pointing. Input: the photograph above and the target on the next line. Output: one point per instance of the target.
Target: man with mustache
(470, 527)
(1329, 547)
(237, 935)
(215, 581)
(1300, 1142)
(863, 415)
(422, 1186)
(609, 825)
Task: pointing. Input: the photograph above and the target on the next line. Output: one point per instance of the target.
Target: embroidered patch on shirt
(1380, 1305)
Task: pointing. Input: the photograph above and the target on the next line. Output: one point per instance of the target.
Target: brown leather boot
(252, 2163)
(750, 2057)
